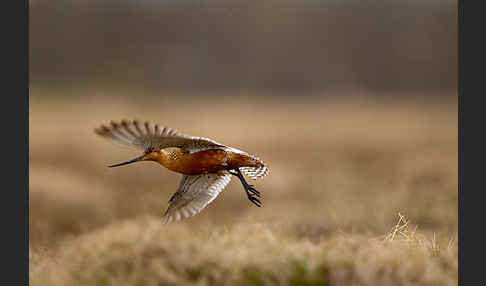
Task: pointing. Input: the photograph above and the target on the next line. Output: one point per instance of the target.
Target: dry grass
(341, 171)
(141, 252)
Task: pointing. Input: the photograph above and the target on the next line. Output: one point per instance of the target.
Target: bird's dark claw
(252, 190)
(254, 200)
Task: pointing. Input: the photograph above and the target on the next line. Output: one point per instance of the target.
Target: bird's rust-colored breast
(207, 161)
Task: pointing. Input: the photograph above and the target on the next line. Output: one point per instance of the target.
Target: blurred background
(271, 45)
(352, 104)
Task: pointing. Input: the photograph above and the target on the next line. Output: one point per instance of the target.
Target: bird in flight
(206, 165)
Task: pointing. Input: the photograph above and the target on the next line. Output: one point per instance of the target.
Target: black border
(15, 143)
(26, 89)
(471, 86)
(460, 82)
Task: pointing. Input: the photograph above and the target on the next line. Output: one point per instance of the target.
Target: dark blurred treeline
(265, 44)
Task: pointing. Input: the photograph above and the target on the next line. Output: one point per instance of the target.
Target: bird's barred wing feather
(148, 136)
(195, 192)
(256, 172)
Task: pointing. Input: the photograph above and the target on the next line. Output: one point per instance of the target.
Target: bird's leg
(247, 186)
(251, 192)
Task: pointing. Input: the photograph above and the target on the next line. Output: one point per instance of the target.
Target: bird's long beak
(128, 162)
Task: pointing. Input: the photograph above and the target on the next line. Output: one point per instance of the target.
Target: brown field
(342, 169)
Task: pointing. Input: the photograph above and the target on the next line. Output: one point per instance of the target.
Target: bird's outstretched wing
(148, 136)
(195, 192)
